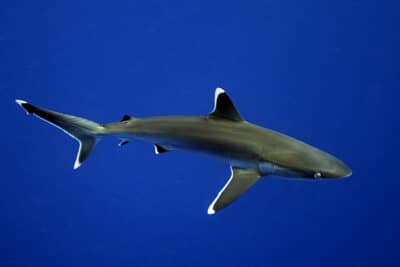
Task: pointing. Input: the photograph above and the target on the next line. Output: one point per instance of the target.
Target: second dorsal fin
(224, 107)
(126, 118)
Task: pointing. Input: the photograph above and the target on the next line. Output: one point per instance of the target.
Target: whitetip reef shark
(252, 151)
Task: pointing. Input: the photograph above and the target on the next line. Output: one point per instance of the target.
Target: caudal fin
(86, 132)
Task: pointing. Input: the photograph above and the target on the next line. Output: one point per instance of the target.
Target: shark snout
(344, 171)
(334, 169)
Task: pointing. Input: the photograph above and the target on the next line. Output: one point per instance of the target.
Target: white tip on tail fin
(21, 103)
(86, 132)
(77, 163)
(86, 145)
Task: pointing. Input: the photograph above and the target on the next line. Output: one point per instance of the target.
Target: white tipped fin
(210, 211)
(22, 104)
(77, 163)
(123, 142)
(86, 145)
(86, 132)
(158, 149)
(224, 107)
(218, 91)
(239, 182)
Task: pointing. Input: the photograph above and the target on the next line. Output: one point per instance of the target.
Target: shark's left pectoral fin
(239, 182)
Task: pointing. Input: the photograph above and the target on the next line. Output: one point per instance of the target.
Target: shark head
(332, 169)
(304, 161)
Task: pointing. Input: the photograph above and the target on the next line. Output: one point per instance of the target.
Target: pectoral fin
(239, 182)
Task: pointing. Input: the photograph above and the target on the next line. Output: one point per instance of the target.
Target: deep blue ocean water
(325, 72)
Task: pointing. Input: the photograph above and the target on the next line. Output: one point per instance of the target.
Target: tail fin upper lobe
(86, 132)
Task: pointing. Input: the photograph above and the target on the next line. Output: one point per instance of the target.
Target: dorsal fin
(126, 118)
(224, 107)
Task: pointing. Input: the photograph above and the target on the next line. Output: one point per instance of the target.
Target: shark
(251, 151)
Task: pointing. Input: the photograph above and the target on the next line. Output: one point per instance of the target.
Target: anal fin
(239, 182)
(123, 142)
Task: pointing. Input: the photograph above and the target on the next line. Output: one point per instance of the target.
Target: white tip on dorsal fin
(218, 91)
(224, 107)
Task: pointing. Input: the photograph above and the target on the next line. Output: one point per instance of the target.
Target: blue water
(325, 72)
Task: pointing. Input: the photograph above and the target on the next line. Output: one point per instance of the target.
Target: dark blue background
(325, 72)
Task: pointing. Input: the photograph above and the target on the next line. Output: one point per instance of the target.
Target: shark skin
(251, 151)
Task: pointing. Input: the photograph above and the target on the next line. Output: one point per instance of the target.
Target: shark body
(251, 151)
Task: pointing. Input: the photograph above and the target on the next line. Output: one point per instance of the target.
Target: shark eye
(317, 175)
